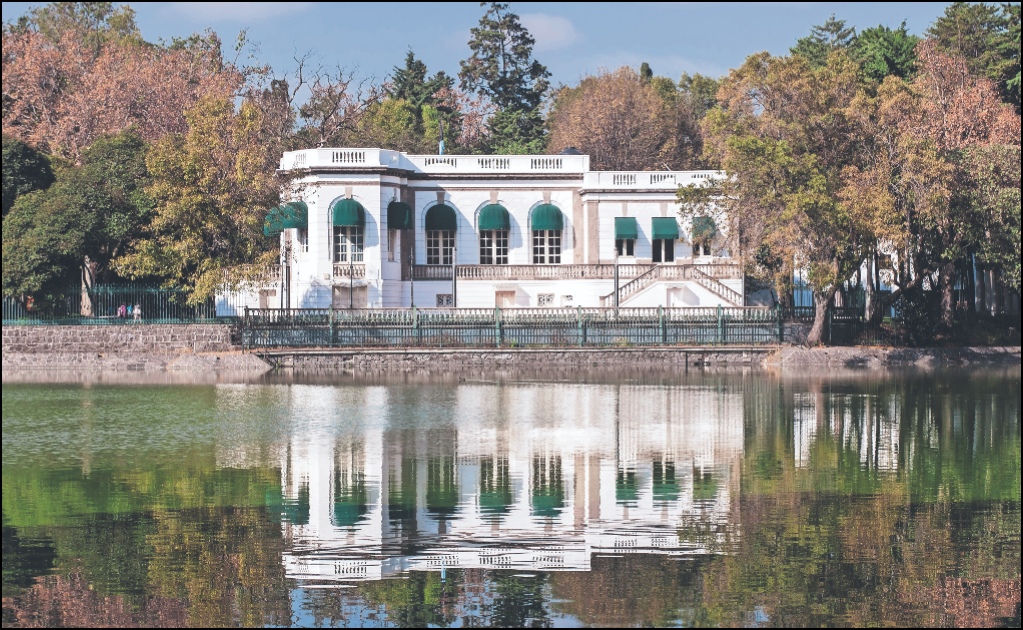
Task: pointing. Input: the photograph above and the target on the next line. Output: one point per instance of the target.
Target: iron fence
(108, 304)
(509, 328)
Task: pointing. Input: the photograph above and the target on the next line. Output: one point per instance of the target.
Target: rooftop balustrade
(572, 165)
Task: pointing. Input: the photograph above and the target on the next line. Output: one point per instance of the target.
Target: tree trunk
(820, 316)
(998, 301)
(946, 284)
(980, 299)
(871, 310)
(971, 287)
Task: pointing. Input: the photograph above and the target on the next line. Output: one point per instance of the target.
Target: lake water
(732, 498)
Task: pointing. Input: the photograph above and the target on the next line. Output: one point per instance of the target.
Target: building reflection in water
(383, 480)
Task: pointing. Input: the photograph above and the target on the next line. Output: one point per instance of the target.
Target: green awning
(348, 213)
(399, 216)
(494, 217)
(294, 214)
(548, 217)
(664, 228)
(441, 217)
(704, 229)
(626, 228)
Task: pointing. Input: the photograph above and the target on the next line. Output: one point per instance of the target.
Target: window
(303, 240)
(445, 299)
(664, 250)
(545, 299)
(493, 247)
(701, 249)
(567, 300)
(546, 247)
(625, 247)
(440, 247)
(347, 244)
(393, 244)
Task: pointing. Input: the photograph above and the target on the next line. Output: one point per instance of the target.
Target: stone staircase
(657, 273)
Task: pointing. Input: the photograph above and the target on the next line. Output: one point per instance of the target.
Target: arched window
(441, 224)
(547, 224)
(349, 219)
(494, 225)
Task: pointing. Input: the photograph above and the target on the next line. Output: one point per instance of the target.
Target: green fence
(507, 328)
(102, 304)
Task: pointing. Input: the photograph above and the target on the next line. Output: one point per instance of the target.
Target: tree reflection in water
(723, 499)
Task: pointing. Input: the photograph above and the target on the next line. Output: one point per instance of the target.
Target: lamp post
(454, 277)
(616, 284)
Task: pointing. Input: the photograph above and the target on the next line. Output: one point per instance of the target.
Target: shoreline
(183, 366)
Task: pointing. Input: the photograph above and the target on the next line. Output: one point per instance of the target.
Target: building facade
(383, 229)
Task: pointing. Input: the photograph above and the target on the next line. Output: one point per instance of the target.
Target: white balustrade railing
(383, 158)
(664, 180)
(348, 270)
(526, 164)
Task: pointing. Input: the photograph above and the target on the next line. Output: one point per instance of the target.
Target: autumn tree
(73, 72)
(987, 37)
(616, 118)
(502, 68)
(783, 138)
(211, 188)
(922, 147)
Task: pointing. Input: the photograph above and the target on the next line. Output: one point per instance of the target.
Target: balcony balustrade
(349, 270)
(503, 273)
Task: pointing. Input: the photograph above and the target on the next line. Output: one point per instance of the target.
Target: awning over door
(626, 228)
(664, 228)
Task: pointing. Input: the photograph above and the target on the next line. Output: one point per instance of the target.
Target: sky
(572, 39)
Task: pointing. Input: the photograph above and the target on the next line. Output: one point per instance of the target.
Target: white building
(383, 229)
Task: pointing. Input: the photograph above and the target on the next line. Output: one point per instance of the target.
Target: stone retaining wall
(520, 359)
(130, 339)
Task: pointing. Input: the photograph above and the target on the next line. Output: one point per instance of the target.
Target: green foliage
(992, 194)
(211, 188)
(24, 170)
(988, 37)
(823, 40)
(87, 218)
(411, 83)
(517, 132)
(501, 65)
(502, 68)
(883, 52)
(94, 23)
(701, 90)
